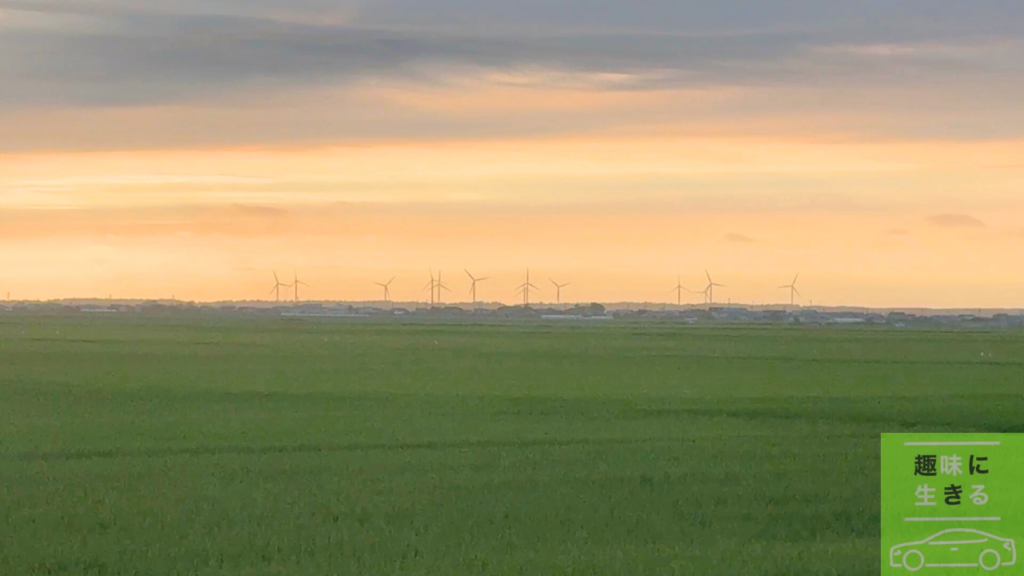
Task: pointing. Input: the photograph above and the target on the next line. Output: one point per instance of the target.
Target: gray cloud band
(118, 53)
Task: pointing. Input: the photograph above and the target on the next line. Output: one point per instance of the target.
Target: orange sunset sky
(191, 150)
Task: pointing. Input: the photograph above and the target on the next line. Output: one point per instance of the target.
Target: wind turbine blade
(781, 287)
(272, 289)
(566, 284)
(275, 278)
(795, 278)
(482, 279)
(797, 292)
(708, 275)
(468, 274)
(392, 280)
(553, 282)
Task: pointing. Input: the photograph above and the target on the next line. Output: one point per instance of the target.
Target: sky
(191, 149)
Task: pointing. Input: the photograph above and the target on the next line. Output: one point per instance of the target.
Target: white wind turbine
(558, 290)
(430, 286)
(440, 285)
(474, 280)
(709, 290)
(276, 290)
(793, 292)
(387, 288)
(525, 289)
(679, 291)
(295, 284)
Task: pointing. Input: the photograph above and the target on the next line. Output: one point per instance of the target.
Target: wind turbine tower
(276, 290)
(793, 292)
(387, 289)
(558, 290)
(431, 285)
(679, 291)
(525, 288)
(472, 289)
(440, 285)
(709, 290)
(295, 284)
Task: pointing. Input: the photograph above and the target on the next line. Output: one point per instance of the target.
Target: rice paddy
(149, 446)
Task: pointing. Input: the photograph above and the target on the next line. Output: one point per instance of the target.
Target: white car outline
(899, 553)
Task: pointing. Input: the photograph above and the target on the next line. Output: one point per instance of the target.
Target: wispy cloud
(131, 180)
(197, 49)
(955, 221)
(256, 211)
(736, 238)
(119, 74)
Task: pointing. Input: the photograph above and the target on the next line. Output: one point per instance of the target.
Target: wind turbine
(558, 290)
(387, 289)
(793, 292)
(276, 290)
(295, 284)
(525, 289)
(709, 290)
(430, 286)
(472, 289)
(679, 291)
(440, 285)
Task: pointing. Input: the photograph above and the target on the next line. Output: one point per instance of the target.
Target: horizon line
(1019, 310)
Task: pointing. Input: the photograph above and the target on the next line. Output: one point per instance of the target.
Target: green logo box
(952, 504)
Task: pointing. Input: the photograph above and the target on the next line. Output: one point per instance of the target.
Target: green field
(268, 447)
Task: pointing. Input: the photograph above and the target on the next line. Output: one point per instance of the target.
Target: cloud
(736, 238)
(121, 74)
(955, 221)
(198, 49)
(205, 58)
(255, 211)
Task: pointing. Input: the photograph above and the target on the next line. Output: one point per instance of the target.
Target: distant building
(847, 320)
(517, 312)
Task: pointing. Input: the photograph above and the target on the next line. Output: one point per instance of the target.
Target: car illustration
(955, 548)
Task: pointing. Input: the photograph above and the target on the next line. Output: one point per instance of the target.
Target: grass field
(269, 447)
